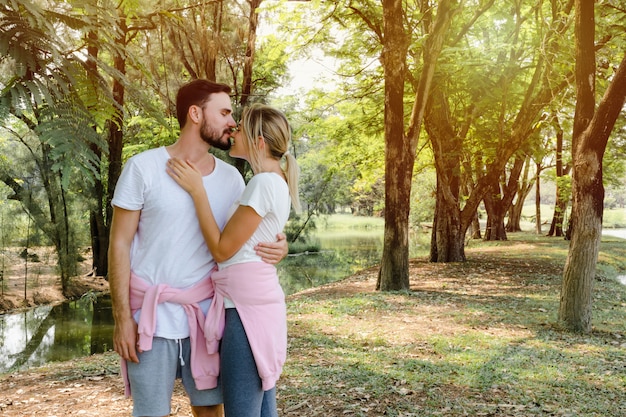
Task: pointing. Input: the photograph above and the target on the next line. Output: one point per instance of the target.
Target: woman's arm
(240, 227)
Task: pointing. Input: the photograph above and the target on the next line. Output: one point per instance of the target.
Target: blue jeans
(241, 384)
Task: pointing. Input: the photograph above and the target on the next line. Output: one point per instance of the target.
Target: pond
(49, 334)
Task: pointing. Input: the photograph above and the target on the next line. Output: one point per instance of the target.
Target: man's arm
(273, 252)
(123, 229)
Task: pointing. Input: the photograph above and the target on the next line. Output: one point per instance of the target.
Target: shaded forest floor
(471, 339)
(32, 281)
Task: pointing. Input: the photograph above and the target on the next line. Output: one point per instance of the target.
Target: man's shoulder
(226, 167)
(147, 160)
(147, 154)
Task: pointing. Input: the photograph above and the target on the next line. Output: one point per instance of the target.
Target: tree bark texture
(448, 242)
(394, 269)
(499, 201)
(115, 143)
(560, 206)
(576, 294)
(575, 310)
(448, 238)
(538, 199)
(400, 148)
(525, 185)
(99, 230)
(246, 89)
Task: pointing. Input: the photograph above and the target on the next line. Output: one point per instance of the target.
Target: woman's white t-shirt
(268, 194)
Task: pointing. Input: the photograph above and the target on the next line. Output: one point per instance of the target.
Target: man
(159, 264)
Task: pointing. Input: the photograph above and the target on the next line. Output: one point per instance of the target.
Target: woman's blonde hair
(260, 120)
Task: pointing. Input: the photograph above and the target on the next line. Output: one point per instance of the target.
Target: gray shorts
(152, 379)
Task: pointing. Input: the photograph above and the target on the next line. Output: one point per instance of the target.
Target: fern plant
(47, 98)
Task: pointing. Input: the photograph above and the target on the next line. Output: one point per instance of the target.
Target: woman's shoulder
(267, 178)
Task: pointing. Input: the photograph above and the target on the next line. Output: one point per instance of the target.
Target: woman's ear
(260, 143)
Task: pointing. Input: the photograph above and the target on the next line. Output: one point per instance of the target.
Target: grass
(470, 339)
(614, 218)
(346, 222)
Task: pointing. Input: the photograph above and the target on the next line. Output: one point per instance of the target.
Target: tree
(562, 183)
(499, 198)
(400, 148)
(523, 189)
(592, 128)
(501, 126)
(44, 106)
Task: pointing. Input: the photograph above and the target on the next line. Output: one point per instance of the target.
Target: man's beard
(214, 138)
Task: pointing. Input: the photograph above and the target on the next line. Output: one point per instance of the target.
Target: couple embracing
(191, 260)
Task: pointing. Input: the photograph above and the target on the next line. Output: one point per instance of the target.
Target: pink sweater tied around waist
(204, 365)
(259, 299)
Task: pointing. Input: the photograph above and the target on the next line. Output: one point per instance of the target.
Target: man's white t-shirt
(168, 247)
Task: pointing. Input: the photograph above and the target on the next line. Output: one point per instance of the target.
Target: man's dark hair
(196, 93)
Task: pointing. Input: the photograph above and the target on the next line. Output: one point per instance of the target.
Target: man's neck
(194, 151)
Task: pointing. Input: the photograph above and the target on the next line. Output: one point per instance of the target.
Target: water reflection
(49, 334)
(340, 256)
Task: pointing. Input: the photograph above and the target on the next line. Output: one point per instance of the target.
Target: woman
(248, 312)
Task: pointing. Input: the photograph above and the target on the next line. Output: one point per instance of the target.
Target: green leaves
(69, 139)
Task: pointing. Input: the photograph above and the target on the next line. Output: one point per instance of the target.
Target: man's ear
(194, 114)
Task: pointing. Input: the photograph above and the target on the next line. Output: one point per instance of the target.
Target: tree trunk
(59, 230)
(499, 200)
(394, 269)
(514, 216)
(476, 227)
(523, 189)
(400, 148)
(116, 133)
(448, 241)
(115, 144)
(448, 236)
(67, 251)
(97, 222)
(212, 52)
(99, 234)
(538, 199)
(496, 211)
(248, 63)
(580, 267)
(560, 205)
(575, 310)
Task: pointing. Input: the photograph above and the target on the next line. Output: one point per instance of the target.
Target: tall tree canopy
(470, 90)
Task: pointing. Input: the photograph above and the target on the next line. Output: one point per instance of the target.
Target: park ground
(478, 338)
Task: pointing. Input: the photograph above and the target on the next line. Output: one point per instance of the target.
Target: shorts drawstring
(180, 352)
